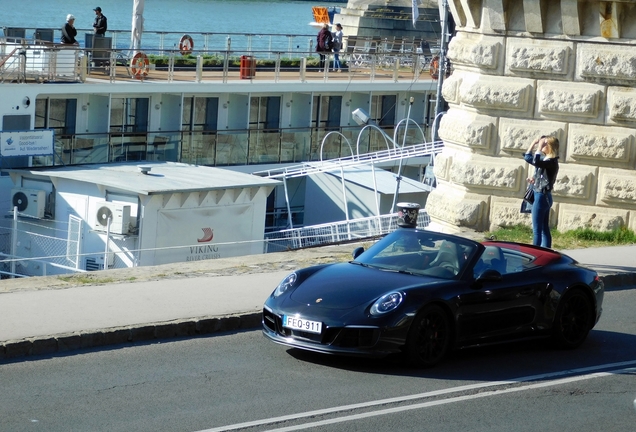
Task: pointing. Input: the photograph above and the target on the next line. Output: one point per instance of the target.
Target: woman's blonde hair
(553, 145)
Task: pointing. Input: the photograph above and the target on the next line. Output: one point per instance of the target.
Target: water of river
(215, 16)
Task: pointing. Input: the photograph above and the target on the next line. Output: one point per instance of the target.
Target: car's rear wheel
(573, 319)
(429, 337)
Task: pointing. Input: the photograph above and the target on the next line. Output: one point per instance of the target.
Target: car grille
(272, 322)
(357, 337)
(344, 337)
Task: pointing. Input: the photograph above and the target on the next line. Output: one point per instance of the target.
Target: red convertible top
(542, 256)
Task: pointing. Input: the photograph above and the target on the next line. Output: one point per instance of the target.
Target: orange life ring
(186, 44)
(139, 65)
(434, 68)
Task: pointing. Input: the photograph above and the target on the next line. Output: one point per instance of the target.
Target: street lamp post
(439, 106)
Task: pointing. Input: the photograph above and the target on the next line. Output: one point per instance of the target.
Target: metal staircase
(308, 168)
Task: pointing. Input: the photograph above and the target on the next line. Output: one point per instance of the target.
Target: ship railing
(56, 244)
(228, 66)
(231, 146)
(10, 67)
(40, 62)
(308, 168)
(262, 44)
(337, 232)
(164, 41)
(374, 60)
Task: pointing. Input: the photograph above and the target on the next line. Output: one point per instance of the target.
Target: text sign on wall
(27, 143)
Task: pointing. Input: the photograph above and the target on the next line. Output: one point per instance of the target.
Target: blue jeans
(541, 219)
(336, 59)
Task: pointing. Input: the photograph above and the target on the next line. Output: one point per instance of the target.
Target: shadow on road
(498, 362)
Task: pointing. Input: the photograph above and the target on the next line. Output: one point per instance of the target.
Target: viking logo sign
(208, 235)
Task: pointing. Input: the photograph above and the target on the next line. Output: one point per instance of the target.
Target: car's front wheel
(429, 337)
(573, 320)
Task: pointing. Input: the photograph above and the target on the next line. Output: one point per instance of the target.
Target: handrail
(337, 232)
(8, 57)
(221, 65)
(307, 168)
(267, 43)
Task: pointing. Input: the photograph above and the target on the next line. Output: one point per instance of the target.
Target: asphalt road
(241, 381)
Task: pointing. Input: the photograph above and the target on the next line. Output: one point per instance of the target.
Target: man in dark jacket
(101, 23)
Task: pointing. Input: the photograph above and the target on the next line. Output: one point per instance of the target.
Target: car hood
(344, 286)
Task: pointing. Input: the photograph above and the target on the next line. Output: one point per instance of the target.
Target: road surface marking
(626, 367)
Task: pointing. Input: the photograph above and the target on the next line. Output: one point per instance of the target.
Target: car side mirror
(489, 275)
(357, 251)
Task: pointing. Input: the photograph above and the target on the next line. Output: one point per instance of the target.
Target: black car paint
(482, 311)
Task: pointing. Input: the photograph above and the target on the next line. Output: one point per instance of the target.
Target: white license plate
(302, 324)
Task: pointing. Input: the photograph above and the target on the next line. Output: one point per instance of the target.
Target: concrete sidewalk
(38, 316)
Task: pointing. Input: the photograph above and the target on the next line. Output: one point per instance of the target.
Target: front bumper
(351, 340)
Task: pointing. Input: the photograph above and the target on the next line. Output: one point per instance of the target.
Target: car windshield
(420, 252)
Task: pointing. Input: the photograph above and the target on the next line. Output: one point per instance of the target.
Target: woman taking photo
(543, 153)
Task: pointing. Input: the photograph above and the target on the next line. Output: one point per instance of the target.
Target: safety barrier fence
(336, 232)
(230, 147)
(54, 62)
(263, 45)
(30, 249)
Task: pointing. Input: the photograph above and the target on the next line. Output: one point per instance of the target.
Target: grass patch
(575, 239)
(82, 279)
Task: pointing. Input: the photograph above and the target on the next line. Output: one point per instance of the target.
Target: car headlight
(285, 285)
(386, 303)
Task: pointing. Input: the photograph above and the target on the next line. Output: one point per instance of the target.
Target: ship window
(326, 112)
(265, 113)
(129, 115)
(383, 109)
(200, 114)
(16, 123)
(41, 113)
(57, 114)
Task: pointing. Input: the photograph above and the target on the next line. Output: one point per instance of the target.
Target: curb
(129, 334)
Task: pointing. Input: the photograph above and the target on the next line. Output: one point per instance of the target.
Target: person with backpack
(324, 43)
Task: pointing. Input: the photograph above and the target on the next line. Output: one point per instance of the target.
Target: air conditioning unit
(30, 202)
(119, 215)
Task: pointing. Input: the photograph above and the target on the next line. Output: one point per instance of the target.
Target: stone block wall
(527, 68)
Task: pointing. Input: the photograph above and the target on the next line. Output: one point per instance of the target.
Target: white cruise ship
(251, 104)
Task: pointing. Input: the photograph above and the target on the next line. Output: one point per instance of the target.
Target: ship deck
(122, 73)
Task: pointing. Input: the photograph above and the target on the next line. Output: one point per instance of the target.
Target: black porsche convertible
(424, 293)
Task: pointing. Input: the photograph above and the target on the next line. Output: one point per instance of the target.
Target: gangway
(340, 164)
(308, 168)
